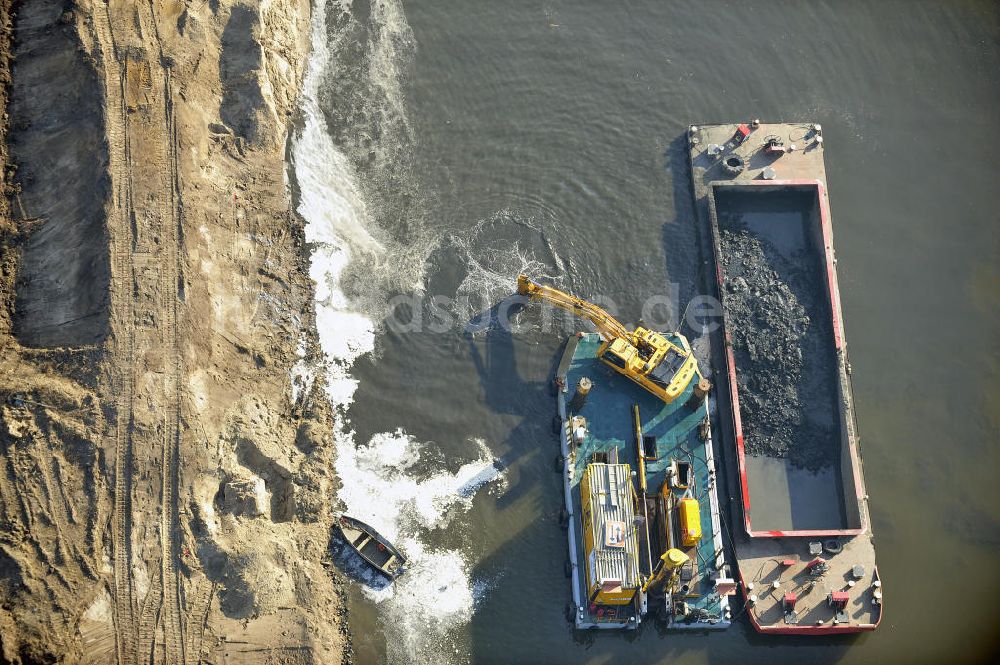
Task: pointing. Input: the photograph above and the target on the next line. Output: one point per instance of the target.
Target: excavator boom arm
(656, 363)
(606, 324)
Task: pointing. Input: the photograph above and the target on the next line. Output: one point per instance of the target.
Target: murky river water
(450, 144)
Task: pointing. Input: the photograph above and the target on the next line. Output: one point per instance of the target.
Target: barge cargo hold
(790, 446)
(640, 486)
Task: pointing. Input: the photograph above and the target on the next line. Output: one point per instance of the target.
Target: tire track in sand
(169, 541)
(120, 212)
(144, 221)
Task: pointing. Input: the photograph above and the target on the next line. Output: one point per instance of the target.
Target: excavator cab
(668, 368)
(619, 354)
(675, 370)
(664, 370)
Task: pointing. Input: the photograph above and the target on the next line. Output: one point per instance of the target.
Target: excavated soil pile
(783, 351)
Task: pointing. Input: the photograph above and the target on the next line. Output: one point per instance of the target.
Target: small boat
(372, 547)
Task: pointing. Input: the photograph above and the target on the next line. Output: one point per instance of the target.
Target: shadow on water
(680, 234)
(496, 362)
(505, 391)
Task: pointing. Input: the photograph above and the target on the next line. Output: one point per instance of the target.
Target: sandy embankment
(162, 487)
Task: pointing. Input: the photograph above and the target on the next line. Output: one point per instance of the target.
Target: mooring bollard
(580, 396)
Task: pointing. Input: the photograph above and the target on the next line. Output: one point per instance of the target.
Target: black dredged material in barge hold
(780, 326)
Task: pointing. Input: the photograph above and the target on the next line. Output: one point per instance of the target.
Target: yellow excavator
(647, 357)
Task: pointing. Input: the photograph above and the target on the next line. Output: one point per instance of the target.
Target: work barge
(637, 410)
(630, 461)
(802, 534)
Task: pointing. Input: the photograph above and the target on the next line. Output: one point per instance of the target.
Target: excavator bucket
(525, 286)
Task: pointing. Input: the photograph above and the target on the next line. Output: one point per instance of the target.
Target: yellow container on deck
(690, 517)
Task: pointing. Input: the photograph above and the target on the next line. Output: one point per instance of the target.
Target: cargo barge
(634, 463)
(788, 438)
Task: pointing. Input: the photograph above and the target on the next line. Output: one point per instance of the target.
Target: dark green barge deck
(682, 432)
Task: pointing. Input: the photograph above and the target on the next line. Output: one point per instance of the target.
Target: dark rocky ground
(785, 353)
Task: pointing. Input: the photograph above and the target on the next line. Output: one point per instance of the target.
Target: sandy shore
(164, 489)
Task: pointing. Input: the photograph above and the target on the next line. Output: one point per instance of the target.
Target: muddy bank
(782, 338)
(57, 144)
(50, 423)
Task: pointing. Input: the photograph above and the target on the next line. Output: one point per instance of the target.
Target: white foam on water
(494, 252)
(388, 491)
(385, 482)
(423, 606)
(335, 218)
(382, 485)
(437, 592)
